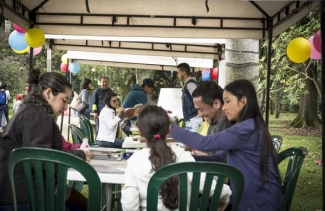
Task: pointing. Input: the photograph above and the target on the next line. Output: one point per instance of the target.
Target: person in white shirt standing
(109, 123)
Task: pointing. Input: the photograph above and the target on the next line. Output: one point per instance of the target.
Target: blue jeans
(6, 112)
(116, 144)
(126, 128)
(86, 113)
(1, 113)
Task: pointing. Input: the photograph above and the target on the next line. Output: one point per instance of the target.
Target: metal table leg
(109, 192)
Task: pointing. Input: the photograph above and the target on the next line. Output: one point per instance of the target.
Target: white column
(49, 59)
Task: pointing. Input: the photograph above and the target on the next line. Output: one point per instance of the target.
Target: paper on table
(104, 149)
(106, 169)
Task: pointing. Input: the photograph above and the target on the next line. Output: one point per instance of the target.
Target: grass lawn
(308, 193)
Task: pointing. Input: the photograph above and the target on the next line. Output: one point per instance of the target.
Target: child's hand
(222, 206)
(88, 156)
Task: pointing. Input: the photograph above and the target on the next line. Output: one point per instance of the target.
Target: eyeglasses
(113, 101)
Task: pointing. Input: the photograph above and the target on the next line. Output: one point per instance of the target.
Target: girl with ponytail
(154, 126)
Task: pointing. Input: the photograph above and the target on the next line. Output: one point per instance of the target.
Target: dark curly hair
(153, 123)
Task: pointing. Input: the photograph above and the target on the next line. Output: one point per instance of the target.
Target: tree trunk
(242, 60)
(126, 82)
(262, 101)
(307, 115)
(277, 104)
(137, 75)
(271, 107)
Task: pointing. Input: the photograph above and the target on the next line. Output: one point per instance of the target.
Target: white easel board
(171, 99)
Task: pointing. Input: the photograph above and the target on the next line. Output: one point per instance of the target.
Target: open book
(131, 112)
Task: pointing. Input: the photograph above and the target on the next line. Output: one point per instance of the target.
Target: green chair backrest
(77, 134)
(181, 169)
(41, 167)
(277, 142)
(181, 123)
(86, 127)
(296, 157)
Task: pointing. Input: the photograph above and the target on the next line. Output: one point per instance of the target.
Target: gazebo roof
(156, 18)
(136, 61)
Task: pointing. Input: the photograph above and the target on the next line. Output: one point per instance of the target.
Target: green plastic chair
(77, 134)
(277, 142)
(295, 157)
(86, 127)
(41, 167)
(181, 169)
(181, 123)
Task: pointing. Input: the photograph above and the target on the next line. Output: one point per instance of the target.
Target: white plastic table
(109, 172)
(134, 142)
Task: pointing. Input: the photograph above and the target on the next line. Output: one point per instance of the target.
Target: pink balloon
(64, 67)
(205, 70)
(19, 29)
(317, 42)
(314, 54)
(36, 51)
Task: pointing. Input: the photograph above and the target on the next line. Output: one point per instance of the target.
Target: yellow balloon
(21, 51)
(34, 37)
(64, 58)
(299, 50)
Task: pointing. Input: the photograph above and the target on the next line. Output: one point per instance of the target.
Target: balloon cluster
(300, 50)
(73, 66)
(207, 74)
(21, 40)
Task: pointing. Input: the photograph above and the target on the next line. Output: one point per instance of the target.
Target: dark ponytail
(53, 80)
(154, 124)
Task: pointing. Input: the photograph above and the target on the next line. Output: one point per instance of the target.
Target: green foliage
(287, 78)
(14, 68)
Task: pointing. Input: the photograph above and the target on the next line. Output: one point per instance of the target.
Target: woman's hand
(120, 111)
(197, 152)
(88, 156)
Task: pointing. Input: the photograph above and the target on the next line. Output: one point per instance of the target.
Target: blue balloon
(17, 41)
(74, 67)
(206, 76)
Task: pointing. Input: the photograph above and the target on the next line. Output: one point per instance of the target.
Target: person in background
(207, 99)
(137, 95)
(34, 125)
(98, 98)
(154, 126)
(5, 106)
(190, 114)
(86, 96)
(17, 103)
(109, 123)
(26, 91)
(248, 147)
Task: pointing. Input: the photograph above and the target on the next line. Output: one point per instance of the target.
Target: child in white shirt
(154, 126)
